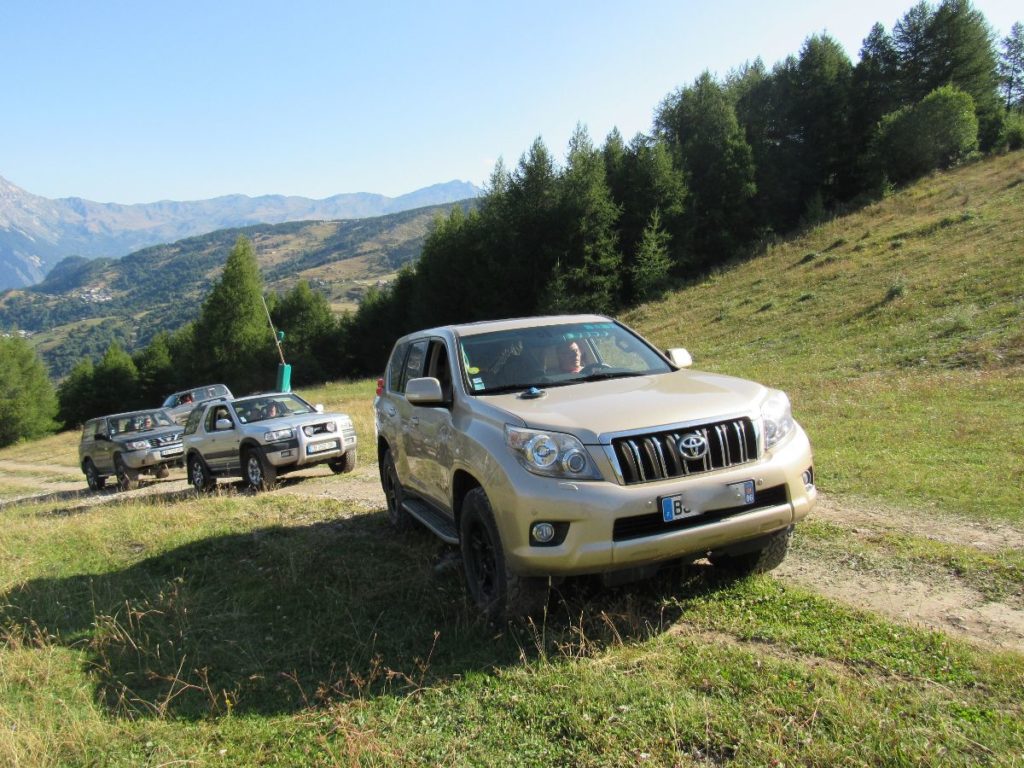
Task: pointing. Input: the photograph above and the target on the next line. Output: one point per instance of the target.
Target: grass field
(297, 629)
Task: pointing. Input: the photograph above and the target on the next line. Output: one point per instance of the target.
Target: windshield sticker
(478, 383)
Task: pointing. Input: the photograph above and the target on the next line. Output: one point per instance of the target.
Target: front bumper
(595, 542)
(173, 453)
(306, 451)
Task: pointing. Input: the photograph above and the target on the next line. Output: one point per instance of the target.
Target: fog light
(542, 533)
(808, 478)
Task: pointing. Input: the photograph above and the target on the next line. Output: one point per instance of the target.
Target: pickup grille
(159, 442)
(657, 456)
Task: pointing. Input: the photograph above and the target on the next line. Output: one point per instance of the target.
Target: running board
(441, 526)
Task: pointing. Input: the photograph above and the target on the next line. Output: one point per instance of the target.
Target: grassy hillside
(898, 332)
(296, 629)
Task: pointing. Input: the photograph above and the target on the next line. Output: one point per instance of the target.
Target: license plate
(679, 508)
(172, 452)
(674, 508)
(330, 445)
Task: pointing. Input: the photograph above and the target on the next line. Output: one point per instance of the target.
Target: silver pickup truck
(263, 436)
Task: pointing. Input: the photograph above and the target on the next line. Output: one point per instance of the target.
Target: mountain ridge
(38, 232)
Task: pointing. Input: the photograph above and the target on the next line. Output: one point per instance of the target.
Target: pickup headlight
(278, 435)
(777, 416)
(551, 453)
(137, 445)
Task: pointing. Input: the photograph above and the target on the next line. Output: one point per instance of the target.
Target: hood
(591, 409)
(298, 420)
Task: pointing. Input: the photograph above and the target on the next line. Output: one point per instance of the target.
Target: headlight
(777, 416)
(278, 434)
(551, 453)
(137, 445)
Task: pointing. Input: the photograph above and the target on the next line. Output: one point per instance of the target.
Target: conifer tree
(232, 337)
(1011, 68)
(588, 216)
(115, 383)
(75, 396)
(821, 111)
(27, 401)
(157, 374)
(305, 317)
(652, 264)
(700, 123)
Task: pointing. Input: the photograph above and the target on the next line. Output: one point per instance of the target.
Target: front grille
(627, 528)
(160, 442)
(645, 458)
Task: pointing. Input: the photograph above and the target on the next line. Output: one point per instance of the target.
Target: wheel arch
(246, 444)
(462, 483)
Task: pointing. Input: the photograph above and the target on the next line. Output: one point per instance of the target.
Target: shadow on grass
(281, 619)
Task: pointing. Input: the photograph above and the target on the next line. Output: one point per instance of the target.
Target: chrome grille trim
(643, 458)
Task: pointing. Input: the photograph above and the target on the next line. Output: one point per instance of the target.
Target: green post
(284, 377)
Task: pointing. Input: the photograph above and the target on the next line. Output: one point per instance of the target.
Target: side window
(414, 362)
(216, 412)
(193, 421)
(395, 383)
(89, 430)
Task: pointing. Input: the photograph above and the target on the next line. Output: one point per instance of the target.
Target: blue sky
(140, 101)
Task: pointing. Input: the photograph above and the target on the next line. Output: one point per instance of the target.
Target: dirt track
(933, 598)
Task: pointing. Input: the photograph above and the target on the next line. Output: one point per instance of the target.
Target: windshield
(271, 407)
(554, 355)
(141, 421)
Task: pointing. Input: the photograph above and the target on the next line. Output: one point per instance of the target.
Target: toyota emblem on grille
(693, 446)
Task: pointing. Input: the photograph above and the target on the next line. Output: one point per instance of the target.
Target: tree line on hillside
(730, 164)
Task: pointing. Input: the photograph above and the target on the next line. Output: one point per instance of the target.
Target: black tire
(761, 560)
(345, 464)
(199, 476)
(162, 471)
(393, 494)
(259, 473)
(93, 477)
(127, 478)
(497, 592)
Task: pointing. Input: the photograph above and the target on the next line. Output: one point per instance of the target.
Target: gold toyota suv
(546, 447)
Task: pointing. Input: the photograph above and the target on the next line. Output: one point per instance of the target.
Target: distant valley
(85, 304)
(36, 233)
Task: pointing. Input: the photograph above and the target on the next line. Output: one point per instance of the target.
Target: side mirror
(223, 424)
(101, 436)
(425, 392)
(319, 407)
(680, 357)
